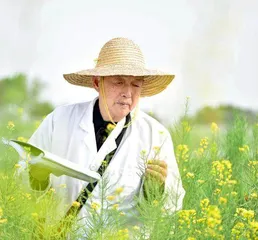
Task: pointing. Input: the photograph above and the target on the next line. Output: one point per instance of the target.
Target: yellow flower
(17, 165)
(200, 151)
(254, 195)
(63, 185)
(24, 230)
(150, 161)
(214, 127)
(245, 213)
(119, 190)
(95, 206)
(36, 124)
(237, 229)
(241, 149)
(246, 147)
(76, 204)
(111, 198)
(200, 181)
(186, 126)
(4, 220)
(35, 215)
(110, 127)
(187, 217)
(143, 152)
(223, 200)
(20, 111)
(248, 214)
(254, 226)
(198, 231)
(191, 238)
(180, 147)
(22, 139)
(213, 216)
(240, 225)
(10, 125)
(5, 177)
(136, 228)
(217, 191)
(233, 193)
(11, 198)
(223, 172)
(190, 175)
(204, 142)
(156, 149)
(182, 152)
(123, 233)
(28, 196)
(52, 190)
(155, 203)
(201, 220)
(204, 203)
(104, 163)
(122, 214)
(115, 206)
(253, 163)
(188, 129)
(232, 182)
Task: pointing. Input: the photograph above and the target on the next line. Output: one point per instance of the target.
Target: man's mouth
(123, 104)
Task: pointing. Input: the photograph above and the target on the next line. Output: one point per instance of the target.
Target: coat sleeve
(173, 188)
(173, 185)
(41, 138)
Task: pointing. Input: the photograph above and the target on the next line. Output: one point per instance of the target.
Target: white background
(211, 46)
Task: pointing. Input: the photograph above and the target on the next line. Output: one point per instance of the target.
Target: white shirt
(69, 133)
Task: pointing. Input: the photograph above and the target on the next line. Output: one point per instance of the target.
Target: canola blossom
(219, 171)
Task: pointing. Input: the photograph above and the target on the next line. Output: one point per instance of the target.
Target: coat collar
(86, 122)
(87, 125)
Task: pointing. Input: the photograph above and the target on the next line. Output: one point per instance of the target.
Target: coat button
(93, 167)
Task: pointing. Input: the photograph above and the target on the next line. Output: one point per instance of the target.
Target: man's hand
(157, 169)
(155, 177)
(37, 172)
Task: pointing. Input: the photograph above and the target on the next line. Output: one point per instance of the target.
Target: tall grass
(219, 172)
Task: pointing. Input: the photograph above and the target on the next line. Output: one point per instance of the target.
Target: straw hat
(121, 56)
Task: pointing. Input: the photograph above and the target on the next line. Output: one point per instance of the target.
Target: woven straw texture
(121, 56)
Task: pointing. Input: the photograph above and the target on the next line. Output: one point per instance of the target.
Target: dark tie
(101, 137)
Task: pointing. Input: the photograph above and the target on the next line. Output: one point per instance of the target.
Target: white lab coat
(69, 132)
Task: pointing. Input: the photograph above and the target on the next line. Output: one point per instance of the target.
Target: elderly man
(137, 146)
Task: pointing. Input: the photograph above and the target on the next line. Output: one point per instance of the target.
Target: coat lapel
(108, 146)
(87, 126)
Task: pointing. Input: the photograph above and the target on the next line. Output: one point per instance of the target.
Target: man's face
(122, 93)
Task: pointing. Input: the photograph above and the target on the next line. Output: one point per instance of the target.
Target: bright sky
(211, 46)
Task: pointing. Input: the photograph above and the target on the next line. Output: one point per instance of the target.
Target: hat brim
(154, 81)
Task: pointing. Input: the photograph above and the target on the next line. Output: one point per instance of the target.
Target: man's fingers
(161, 170)
(156, 175)
(158, 162)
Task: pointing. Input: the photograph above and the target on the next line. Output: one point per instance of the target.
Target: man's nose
(127, 91)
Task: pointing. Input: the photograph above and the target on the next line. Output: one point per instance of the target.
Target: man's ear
(95, 82)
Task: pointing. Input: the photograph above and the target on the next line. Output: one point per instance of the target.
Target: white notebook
(58, 166)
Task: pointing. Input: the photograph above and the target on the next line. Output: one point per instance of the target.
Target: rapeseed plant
(219, 173)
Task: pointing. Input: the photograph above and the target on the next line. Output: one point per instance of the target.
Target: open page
(57, 165)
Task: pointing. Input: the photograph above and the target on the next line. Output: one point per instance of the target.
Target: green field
(219, 169)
